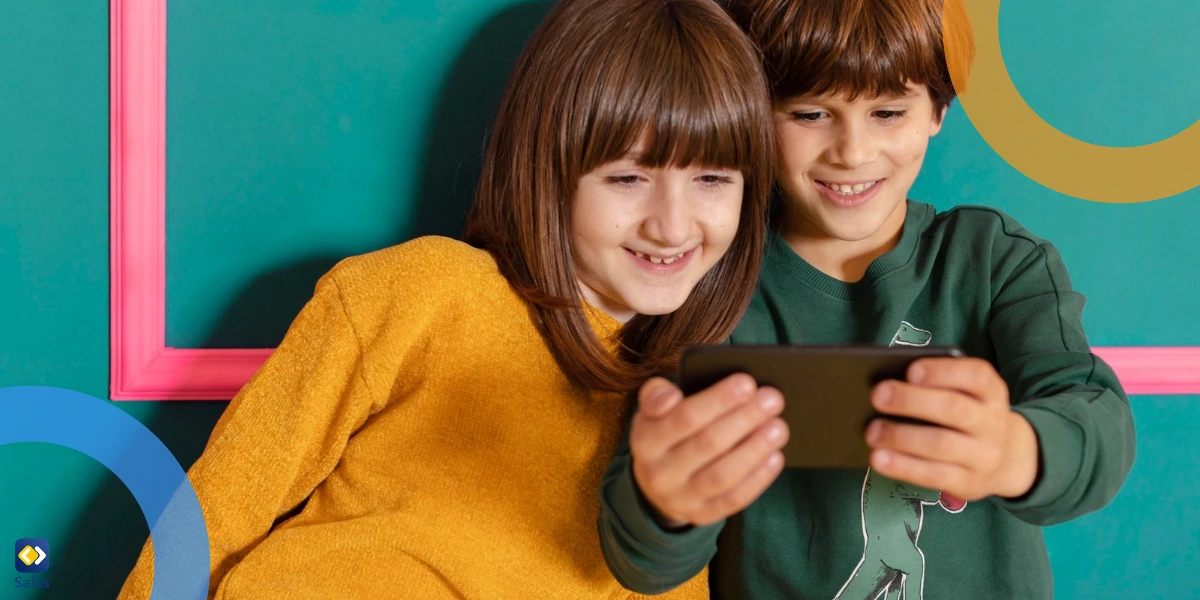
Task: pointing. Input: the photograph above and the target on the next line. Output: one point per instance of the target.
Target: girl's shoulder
(433, 255)
(426, 269)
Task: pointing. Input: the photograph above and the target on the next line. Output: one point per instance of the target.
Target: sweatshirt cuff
(1060, 458)
(638, 517)
(652, 559)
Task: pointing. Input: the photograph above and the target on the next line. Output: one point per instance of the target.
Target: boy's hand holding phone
(982, 448)
(701, 459)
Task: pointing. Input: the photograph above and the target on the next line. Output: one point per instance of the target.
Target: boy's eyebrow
(909, 94)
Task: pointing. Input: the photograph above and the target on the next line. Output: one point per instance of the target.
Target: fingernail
(768, 401)
(774, 433)
(916, 374)
(775, 460)
(883, 395)
(663, 394)
(747, 385)
(883, 458)
(874, 430)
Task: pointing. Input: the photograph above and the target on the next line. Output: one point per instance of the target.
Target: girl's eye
(890, 115)
(715, 179)
(622, 180)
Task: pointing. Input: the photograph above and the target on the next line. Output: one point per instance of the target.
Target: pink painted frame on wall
(144, 368)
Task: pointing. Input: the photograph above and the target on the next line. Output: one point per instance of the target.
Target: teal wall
(303, 131)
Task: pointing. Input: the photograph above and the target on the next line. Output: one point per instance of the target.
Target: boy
(1034, 429)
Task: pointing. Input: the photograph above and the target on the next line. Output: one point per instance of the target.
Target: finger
(972, 376)
(658, 397)
(727, 432)
(924, 441)
(934, 475)
(721, 475)
(947, 408)
(697, 411)
(741, 495)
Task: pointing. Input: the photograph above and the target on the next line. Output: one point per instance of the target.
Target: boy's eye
(889, 115)
(808, 117)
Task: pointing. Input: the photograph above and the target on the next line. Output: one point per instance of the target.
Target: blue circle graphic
(138, 458)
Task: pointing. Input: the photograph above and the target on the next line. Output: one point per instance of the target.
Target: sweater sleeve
(279, 438)
(641, 555)
(1073, 400)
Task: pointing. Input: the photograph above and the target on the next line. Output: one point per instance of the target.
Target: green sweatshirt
(970, 277)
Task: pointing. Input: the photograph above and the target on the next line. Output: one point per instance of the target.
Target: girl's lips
(644, 261)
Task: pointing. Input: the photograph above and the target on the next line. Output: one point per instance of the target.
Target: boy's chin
(853, 229)
(860, 225)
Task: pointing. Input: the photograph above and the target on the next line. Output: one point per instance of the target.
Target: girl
(437, 419)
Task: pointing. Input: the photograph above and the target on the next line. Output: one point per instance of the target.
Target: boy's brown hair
(597, 78)
(868, 48)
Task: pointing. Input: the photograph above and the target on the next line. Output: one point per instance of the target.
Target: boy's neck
(841, 259)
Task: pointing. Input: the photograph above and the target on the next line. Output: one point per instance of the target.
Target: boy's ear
(938, 119)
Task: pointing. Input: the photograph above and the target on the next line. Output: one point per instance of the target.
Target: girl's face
(643, 237)
(846, 166)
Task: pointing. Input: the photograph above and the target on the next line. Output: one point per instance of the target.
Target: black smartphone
(826, 390)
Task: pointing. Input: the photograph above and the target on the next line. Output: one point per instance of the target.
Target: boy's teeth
(857, 188)
(656, 260)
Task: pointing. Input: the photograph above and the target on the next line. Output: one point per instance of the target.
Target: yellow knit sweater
(436, 448)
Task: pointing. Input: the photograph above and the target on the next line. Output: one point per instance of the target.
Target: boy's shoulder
(983, 231)
(982, 243)
(997, 224)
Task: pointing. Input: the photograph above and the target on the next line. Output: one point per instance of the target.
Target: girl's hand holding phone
(700, 459)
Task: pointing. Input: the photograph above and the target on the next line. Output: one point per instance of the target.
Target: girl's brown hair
(597, 78)
(858, 47)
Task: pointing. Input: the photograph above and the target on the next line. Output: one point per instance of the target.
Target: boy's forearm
(641, 555)
(1070, 396)
(1086, 449)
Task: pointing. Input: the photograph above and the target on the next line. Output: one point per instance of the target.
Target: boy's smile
(849, 194)
(846, 166)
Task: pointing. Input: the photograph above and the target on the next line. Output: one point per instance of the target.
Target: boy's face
(846, 166)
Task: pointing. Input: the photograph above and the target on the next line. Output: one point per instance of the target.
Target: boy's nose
(853, 148)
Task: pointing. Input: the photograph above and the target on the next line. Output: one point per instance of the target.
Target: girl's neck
(615, 310)
(843, 260)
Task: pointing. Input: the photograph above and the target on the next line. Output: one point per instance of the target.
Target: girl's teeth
(659, 261)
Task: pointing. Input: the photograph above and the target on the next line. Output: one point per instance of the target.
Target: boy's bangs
(679, 108)
(867, 48)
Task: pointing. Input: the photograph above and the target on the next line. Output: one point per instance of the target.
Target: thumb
(658, 397)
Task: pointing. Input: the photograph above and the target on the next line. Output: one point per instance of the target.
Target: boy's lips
(849, 194)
